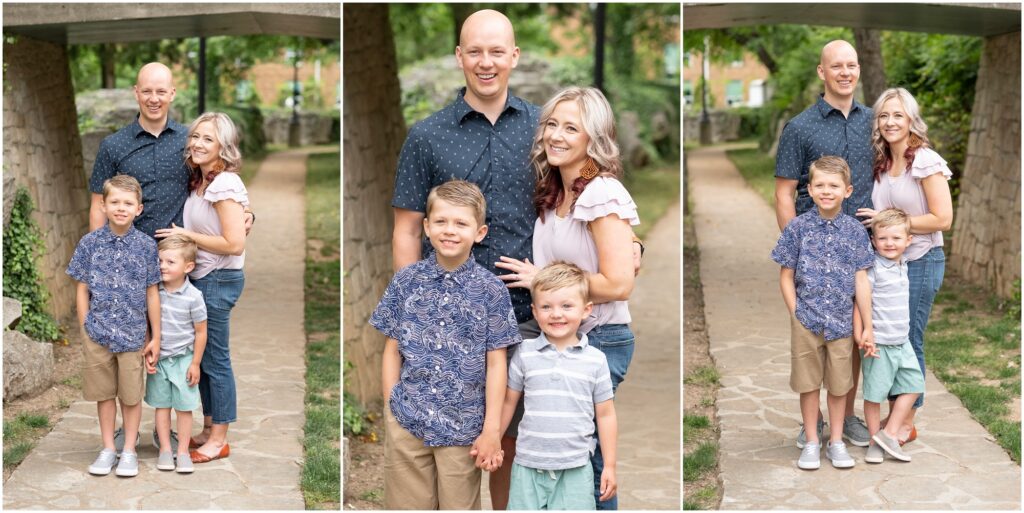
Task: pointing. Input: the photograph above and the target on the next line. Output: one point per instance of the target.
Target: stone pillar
(42, 151)
(373, 136)
(986, 231)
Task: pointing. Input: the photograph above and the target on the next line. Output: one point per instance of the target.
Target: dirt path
(268, 347)
(956, 465)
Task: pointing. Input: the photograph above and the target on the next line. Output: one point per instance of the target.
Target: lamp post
(293, 124)
(705, 119)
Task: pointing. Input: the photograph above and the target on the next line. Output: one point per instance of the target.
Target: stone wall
(373, 135)
(43, 153)
(314, 128)
(725, 126)
(986, 232)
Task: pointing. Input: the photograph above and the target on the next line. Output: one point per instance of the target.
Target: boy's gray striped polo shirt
(179, 311)
(560, 390)
(890, 301)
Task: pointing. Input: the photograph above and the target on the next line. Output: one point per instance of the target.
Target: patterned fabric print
(445, 323)
(158, 163)
(823, 130)
(826, 254)
(117, 271)
(458, 142)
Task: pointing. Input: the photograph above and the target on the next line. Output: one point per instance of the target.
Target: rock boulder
(28, 365)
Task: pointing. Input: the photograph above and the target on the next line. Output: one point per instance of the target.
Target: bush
(754, 121)
(22, 246)
(648, 99)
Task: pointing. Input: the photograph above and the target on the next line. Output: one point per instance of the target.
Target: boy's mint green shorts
(894, 372)
(168, 388)
(533, 489)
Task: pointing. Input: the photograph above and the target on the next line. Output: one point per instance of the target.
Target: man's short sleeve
(602, 381)
(78, 268)
(387, 317)
(102, 169)
(787, 251)
(789, 158)
(412, 182)
(516, 374)
(502, 328)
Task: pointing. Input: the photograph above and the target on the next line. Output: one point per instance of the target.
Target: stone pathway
(956, 465)
(268, 347)
(648, 399)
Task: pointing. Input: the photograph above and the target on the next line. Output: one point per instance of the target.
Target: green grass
(701, 497)
(973, 346)
(653, 189)
(696, 422)
(375, 495)
(20, 434)
(250, 165)
(758, 169)
(321, 470)
(707, 375)
(700, 461)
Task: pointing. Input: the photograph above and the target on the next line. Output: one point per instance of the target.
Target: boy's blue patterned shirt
(826, 255)
(117, 271)
(445, 323)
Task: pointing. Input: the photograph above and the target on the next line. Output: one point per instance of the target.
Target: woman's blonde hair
(918, 131)
(227, 136)
(599, 125)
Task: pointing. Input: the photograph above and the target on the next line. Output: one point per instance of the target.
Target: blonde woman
(910, 176)
(213, 217)
(584, 216)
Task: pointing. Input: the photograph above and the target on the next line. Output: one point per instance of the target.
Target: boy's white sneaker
(839, 455)
(104, 463)
(129, 464)
(165, 461)
(810, 458)
(875, 454)
(890, 445)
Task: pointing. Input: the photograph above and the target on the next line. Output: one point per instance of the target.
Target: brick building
(733, 84)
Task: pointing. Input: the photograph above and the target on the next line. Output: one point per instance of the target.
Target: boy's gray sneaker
(165, 461)
(184, 464)
(801, 438)
(174, 442)
(855, 432)
(104, 462)
(128, 466)
(810, 458)
(890, 445)
(875, 454)
(838, 454)
(119, 440)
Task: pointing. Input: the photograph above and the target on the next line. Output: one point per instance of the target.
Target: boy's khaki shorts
(106, 375)
(813, 360)
(427, 478)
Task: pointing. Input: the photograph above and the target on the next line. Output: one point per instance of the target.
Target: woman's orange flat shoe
(198, 457)
(912, 437)
(192, 444)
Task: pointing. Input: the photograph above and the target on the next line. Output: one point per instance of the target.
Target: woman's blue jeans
(925, 275)
(616, 341)
(221, 289)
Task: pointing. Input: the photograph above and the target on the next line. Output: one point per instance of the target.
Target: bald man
(836, 125)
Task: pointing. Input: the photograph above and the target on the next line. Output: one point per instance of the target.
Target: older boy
(566, 384)
(824, 255)
(118, 271)
(890, 368)
(448, 321)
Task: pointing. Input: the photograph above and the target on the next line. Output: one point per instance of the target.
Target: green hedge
(22, 246)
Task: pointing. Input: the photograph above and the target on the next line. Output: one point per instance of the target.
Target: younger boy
(182, 342)
(565, 381)
(890, 368)
(448, 322)
(824, 255)
(117, 270)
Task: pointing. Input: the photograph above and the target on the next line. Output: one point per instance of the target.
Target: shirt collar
(889, 264)
(544, 344)
(824, 108)
(463, 109)
(821, 221)
(459, 274)
(171, 125)
(180, 290)
(105, 234)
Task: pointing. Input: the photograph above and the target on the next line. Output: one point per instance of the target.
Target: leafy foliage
(22, 246)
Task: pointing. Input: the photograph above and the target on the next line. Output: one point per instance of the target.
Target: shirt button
(433, 390)
(442, 323)
(437, 367)
(439, 346)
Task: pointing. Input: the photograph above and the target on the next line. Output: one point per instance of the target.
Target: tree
(374, 132)
(869, 53)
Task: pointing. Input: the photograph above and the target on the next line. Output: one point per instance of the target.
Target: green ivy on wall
(22, 245)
